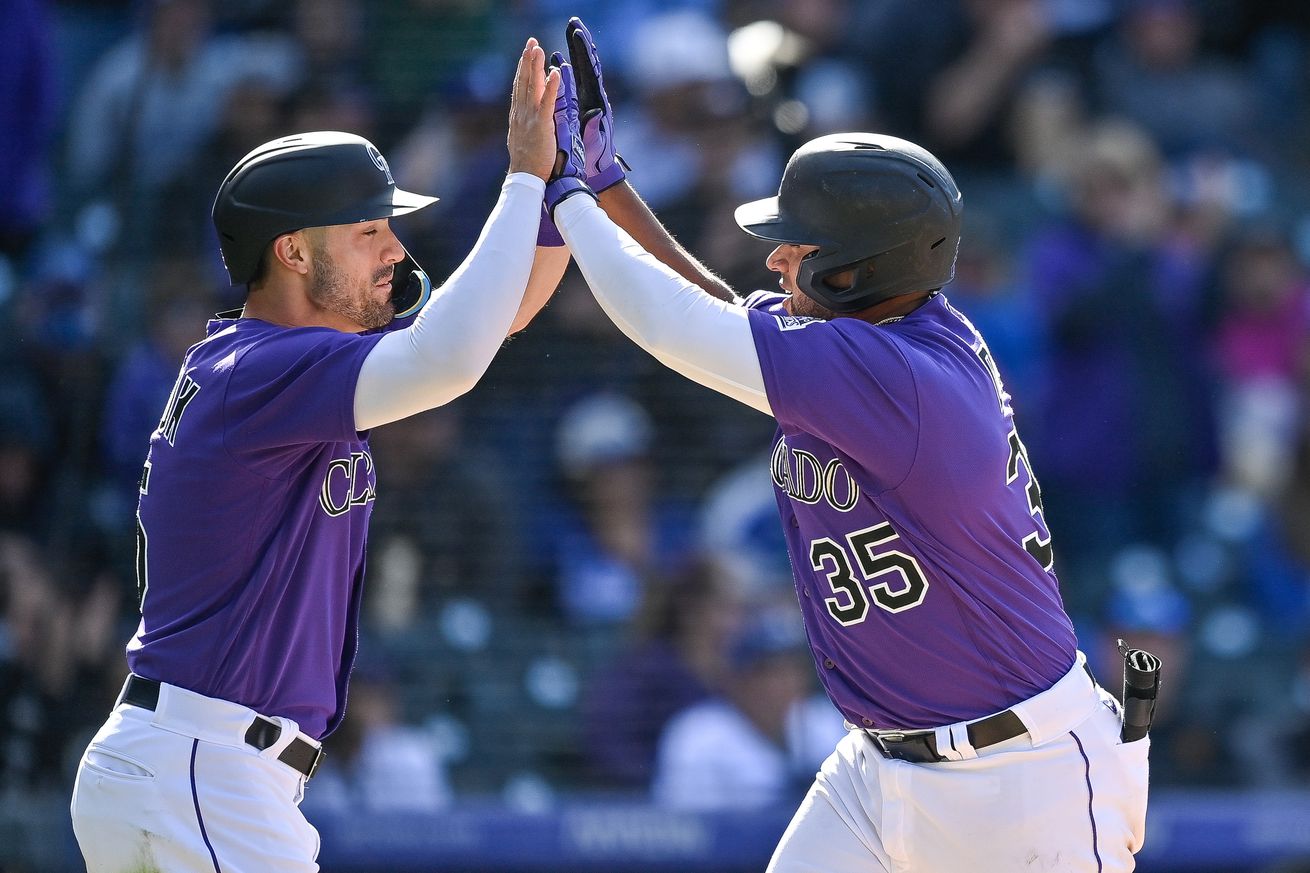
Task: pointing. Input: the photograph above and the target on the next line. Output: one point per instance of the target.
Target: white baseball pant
(1066, 796)
(179, 790)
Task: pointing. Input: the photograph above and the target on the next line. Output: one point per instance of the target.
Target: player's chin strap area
(410, 288)
(1141, 688)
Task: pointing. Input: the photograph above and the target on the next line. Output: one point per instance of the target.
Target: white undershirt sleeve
(451, 343)
(705, 339)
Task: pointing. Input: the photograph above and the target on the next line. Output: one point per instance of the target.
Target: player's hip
(1062, 786)
(148, 794)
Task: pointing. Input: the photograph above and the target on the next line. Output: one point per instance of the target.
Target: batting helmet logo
(380, 162)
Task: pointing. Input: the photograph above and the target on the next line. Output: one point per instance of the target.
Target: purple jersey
(921, 558)
(253, 516)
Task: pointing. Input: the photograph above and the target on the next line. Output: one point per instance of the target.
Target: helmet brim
(762, 220)
(407, 201)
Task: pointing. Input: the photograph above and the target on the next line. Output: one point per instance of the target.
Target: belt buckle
(881, 739)
(319, 755)
(916, 747)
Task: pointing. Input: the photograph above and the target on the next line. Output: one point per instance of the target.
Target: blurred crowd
(576, 580)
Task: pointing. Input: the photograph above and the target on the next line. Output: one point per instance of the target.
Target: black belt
(299, 755)
(920, 747)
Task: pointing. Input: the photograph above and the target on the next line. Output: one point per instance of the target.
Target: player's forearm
(706, 339)
(452, 341)
(626, 209)
(547, 270)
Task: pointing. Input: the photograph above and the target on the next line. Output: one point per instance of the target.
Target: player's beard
(331, 289)
(807, 307)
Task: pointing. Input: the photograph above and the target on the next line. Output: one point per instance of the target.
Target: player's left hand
(569, 177)
(531, 111)
(605, 166)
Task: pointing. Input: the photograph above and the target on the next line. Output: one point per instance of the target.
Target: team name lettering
(347, 483)
(808, 480)
(185, 390)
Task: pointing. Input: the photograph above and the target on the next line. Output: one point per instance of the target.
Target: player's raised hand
(531, 114)
(605, 167)
(570, 171)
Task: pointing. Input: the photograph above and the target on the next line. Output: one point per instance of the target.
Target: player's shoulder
(935, 319)
(764, 300)
(246, 343)
(772, 312)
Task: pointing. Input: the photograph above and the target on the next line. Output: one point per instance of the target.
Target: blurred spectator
(760, 743)
(683, 131)
(797, 59)
(614, 536)
(55, 664)
(376, 762)
(1156, 74)
(141, 124)
(946, 74)
(445, 36)
(26, 454)
(446, 523)
(178, 309)
(27, 117)
(988, 289)
(1124, 422)
(1262, 349)
(739, 533)
(454, 147)
(676, 658)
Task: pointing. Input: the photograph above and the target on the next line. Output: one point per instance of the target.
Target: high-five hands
(569, 177)
(605, 167)
(531, 141)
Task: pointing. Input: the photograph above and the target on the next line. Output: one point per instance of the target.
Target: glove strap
(559, 190)
(610, 176)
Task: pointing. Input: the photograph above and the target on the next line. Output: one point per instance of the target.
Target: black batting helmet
(312, 180)
(863, 198)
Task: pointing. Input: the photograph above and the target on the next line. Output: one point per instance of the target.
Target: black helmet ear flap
(411, 287)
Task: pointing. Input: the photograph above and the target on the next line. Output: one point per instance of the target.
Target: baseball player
(922, 560)
(257, 491)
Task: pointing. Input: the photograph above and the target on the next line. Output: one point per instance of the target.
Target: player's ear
(293, 251)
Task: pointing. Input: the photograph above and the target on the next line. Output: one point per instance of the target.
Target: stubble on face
(801, 304)
(331, 288)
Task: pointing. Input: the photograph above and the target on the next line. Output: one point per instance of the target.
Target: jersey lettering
(806, 479)
(346, 484)
(184, 391)
(1034, 544)
(142, 579)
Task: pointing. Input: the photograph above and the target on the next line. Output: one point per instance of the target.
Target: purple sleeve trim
(547, 233)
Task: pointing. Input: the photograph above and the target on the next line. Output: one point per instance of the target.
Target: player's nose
(777, 260)
(392, 252)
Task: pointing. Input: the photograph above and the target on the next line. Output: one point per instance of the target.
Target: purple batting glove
(570, 178)
(605, 167)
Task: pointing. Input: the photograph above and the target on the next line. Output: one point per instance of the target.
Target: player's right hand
(531, 138)
(570, 171)
(605, 167)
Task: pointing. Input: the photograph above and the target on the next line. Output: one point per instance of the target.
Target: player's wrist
(608, 177)
(561, 189)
